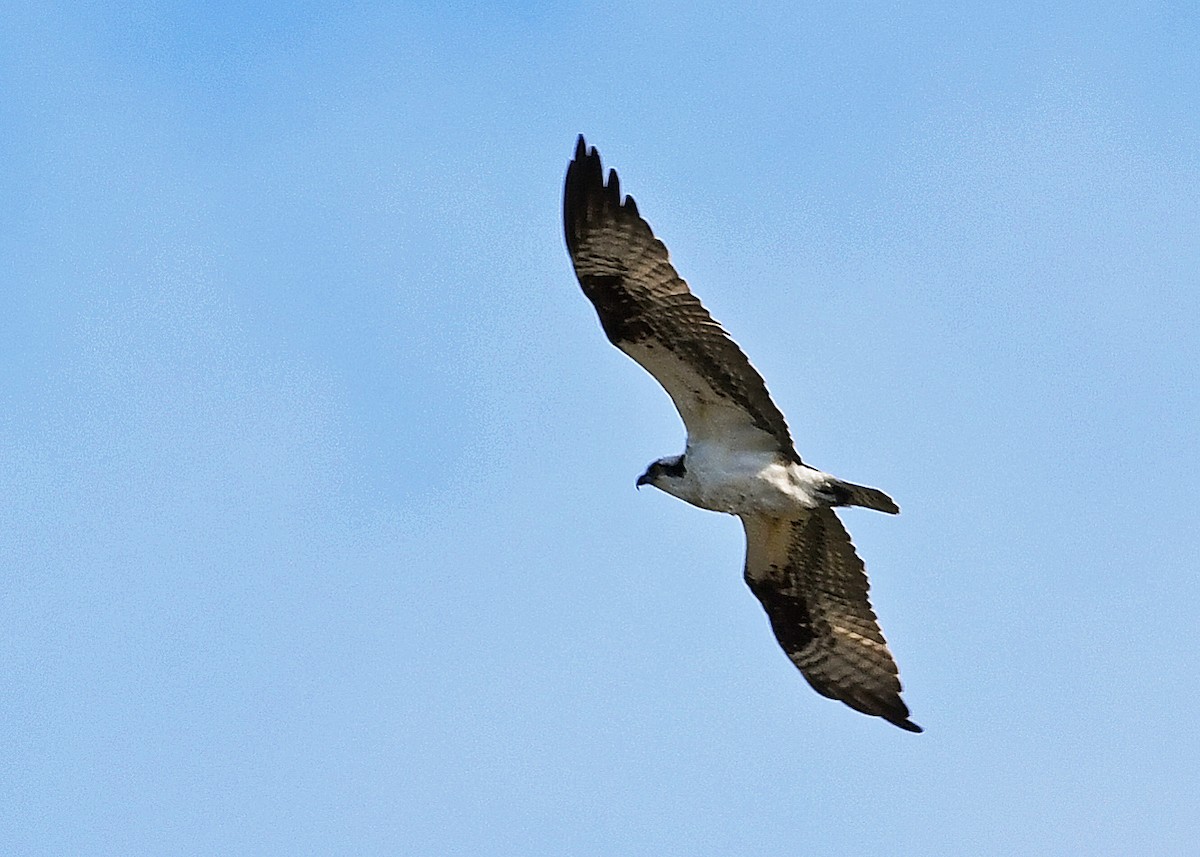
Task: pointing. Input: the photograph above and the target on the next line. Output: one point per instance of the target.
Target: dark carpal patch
(804, 570)
(627, 275)
(815, 592)
(619, 311)
(787, 609)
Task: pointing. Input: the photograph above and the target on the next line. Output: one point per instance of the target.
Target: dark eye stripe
(675, 471)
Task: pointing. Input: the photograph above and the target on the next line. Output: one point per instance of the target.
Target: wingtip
(586, 180)
(588, 195)
(585, 161)
(583, 173)
(908, 726)
(586, 173)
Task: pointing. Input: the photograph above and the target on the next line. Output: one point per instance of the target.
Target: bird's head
(662, 473)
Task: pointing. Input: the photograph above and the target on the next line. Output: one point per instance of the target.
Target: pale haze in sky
(317, 507)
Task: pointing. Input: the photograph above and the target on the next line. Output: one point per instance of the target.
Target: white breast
(744, 482)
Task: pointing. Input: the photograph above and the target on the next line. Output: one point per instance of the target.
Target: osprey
(739, 458)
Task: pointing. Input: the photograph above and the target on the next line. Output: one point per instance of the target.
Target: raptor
(739, 457)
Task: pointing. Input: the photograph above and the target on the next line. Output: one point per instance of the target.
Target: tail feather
(850, 494)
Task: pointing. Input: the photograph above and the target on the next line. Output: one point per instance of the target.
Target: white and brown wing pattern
(648, 312)
(814, 588)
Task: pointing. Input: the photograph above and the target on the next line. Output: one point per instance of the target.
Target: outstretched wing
(648, 312)
(814, 589)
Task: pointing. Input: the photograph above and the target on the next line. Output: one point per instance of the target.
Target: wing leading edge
(647, 310)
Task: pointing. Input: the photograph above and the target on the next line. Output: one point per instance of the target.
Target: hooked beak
(644, 479)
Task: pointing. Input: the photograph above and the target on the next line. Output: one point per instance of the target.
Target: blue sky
(316, 472)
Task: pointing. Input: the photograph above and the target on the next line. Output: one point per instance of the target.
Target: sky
(317, 514)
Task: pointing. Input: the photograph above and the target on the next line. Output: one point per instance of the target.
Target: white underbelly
(750, 483)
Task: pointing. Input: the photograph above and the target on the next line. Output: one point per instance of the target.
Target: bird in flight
(739, 458)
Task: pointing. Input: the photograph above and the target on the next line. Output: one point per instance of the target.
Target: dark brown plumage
(800, 562)
(648, 312)
(814, 588)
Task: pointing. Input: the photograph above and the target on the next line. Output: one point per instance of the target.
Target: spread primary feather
(739, 457)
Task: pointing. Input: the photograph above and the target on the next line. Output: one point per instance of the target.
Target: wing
(648, 312)
(814, 589)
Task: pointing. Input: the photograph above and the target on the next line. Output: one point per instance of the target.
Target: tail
(849, 494)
